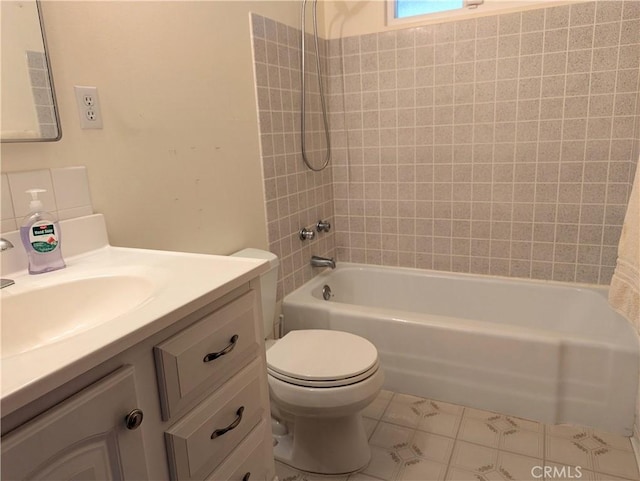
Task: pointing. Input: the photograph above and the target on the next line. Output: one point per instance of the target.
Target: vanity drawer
(202, 357)
(201, 440)
(249, 461)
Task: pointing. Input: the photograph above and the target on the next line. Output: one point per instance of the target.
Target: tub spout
(317, 261)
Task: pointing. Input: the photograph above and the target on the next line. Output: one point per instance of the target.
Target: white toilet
(319, 381)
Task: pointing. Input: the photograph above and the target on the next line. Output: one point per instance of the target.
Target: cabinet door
(83, 438)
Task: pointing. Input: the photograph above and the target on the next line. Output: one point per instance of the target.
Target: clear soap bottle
(40, 235)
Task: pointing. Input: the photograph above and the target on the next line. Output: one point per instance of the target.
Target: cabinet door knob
(246, 476)
(215, 355)
(233, 425)
(133, 420)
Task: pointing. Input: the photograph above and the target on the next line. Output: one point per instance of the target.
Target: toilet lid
(321, 355)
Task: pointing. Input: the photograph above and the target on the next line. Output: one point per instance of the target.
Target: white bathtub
(547, 351)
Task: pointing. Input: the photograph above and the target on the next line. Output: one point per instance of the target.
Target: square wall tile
(71, 187)
(535, 110)
(19, 182)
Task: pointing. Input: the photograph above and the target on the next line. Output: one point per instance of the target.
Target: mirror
(28, 110)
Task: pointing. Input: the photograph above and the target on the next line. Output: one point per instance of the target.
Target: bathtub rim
(303, 296)
(343, 265)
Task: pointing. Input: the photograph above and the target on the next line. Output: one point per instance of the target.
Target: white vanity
(133, 364)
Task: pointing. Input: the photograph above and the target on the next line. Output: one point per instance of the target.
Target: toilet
(319, 382)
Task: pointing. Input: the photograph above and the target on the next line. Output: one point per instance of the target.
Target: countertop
(185, 283)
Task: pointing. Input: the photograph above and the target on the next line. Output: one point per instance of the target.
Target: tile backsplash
(295, 197)
(501, 145)
(498, 145)
(67, 194)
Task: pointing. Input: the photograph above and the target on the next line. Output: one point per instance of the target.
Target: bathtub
(548, 351)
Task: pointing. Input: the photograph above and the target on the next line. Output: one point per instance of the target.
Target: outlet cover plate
(88, 107)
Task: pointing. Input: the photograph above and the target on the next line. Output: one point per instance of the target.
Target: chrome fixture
(323, 226)
(306, 234)
(326, 292)
(320, 87)
(317, 261)
(5, 245)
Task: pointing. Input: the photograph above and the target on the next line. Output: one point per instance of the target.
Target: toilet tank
(268, 285)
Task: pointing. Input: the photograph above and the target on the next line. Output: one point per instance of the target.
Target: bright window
(412, 8)
(412, 11)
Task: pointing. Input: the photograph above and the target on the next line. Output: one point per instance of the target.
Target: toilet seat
(322, 358)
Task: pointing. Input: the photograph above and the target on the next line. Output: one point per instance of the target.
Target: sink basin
(58, 325)
(45, 315)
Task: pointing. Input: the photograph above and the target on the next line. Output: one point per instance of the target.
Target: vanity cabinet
(221, 356)
(202, 386)
(83, 438)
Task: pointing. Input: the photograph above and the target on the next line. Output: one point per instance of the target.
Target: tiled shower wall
(498, 145)
(295, 197)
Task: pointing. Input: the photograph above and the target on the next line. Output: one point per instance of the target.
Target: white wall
(177, 165)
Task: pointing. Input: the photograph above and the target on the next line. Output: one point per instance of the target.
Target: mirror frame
(56, 113)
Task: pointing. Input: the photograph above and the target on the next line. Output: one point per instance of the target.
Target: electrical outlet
(88, 107)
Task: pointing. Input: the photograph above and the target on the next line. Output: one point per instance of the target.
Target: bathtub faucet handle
(317, 261)
(306, 234)
(323, 226)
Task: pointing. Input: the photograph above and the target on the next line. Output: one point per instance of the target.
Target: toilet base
(324, 445)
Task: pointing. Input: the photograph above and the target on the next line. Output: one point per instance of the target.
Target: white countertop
(184, 283)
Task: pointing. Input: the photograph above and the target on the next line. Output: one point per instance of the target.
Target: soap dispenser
(40, 235)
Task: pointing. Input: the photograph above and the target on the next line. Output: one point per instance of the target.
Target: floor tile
(608, 477)
(424, 414)
(361, 477)
(504, 433)
(614, 440)
(384, 394)
(409, 445)
(567, 451)
(287, 473)
(591, 450)
(403, 414)
(417, 439)
(472, 461)
(389, 435)
(568, 431)
(321, 477)
(422, 470)
(384, 464)
(616, 462)
(441, 423)
(369, 426)
(378, 406)
(503, 419)
(432, 446)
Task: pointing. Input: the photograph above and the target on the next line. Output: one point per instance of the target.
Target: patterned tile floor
(418, 439)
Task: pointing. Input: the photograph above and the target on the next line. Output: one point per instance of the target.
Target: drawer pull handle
(215, 355)
(246, 476)
(233, 425)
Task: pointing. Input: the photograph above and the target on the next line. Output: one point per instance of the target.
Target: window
(404, 11)
(411, 8)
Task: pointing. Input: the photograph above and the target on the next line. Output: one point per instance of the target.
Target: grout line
(586, 137)
(555, 222)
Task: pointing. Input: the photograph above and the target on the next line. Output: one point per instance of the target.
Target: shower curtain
(624, 293)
